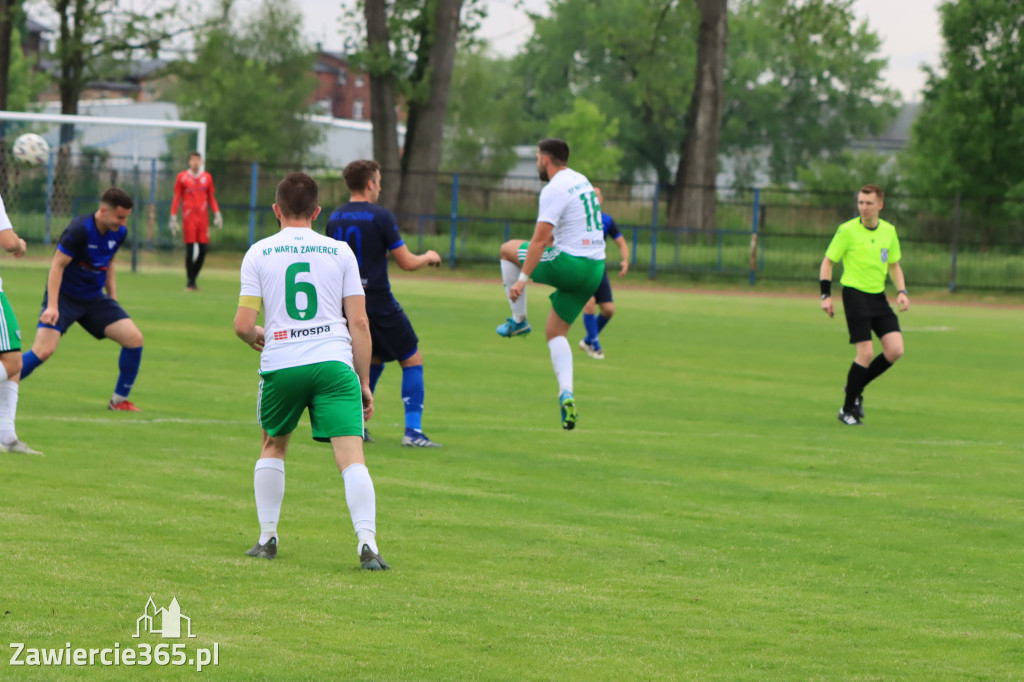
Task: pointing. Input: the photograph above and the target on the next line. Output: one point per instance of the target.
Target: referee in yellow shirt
(869, 249)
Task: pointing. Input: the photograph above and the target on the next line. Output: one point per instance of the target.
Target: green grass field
(709, 519)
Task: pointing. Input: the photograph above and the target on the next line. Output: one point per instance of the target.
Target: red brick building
(342, 92)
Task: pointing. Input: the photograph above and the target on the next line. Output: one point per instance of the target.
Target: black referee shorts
(866, 313)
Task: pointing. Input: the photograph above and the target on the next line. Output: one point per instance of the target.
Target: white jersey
(5, 224)
(569, 203)
(302, 278)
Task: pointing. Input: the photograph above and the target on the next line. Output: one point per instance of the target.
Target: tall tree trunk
(425, 131)
(383, 103)
(692, 202)
(8, 8)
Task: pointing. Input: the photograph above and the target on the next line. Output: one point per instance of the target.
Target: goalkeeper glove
(172, 225)
(218, 220)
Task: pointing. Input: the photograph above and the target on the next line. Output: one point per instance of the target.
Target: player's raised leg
(511, 269)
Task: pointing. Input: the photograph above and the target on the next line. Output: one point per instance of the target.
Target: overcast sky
(909, 30)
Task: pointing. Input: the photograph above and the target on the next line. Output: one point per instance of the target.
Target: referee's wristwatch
(903, 291)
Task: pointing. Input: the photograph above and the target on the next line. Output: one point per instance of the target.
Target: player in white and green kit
(10, 348)
(314, 354)
(566, 252)
(869, 250)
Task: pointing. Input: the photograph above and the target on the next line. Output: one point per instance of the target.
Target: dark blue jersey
(611, 230)
(90, 253)
(371, 231)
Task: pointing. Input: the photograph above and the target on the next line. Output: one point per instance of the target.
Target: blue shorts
(95, 314)
(604, 290)
(391, 332)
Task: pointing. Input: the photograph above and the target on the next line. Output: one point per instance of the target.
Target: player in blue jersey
(591, 344)
(10, 348)
(372, 233)
(82, 266)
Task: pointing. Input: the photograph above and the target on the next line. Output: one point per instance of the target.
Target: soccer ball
(31, 149)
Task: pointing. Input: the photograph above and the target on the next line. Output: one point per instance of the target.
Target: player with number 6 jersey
(314, 355)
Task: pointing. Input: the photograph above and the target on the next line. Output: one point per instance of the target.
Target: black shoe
(849, 418)
(367, 438)
(858, 407)
(267, 551)
(372, 561)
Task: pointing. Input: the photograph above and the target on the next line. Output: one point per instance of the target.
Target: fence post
(135, 217)
(654, 230)
(754, 217)
(49, 198)
(253, 191)
(956, 243)
(154, 217)
(455, 219)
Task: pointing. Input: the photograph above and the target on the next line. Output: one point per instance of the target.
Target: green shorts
(574, 278)
(10, 334)
(329, 389)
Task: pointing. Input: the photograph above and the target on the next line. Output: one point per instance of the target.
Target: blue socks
(29, 361)
(601, 322)
(590, 324)
(128, 363)
(412, 396)
(375, 372)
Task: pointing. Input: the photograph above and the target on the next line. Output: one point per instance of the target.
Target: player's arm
(825, 275)
(354, 309)
(218, 219)
(896, 273)
(111, 284)
(176, 199)
(245, 322)
(12, 243)
(407, 260)
(623, 245)
(53, 281)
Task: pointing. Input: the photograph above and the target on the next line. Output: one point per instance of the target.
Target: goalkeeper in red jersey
(193, 189)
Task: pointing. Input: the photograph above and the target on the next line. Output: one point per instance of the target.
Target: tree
(410, 57)
(633, 59)
(485, 119)
(593, 153)
(692, 202)
(802, 80)
(250, 81)
(969, 137)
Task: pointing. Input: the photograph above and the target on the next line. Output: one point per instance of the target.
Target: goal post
(142, 153)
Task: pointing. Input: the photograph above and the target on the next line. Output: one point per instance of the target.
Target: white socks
(362, 504)
(509, 276)
(268, 483)
(8, 409)
(561, 360)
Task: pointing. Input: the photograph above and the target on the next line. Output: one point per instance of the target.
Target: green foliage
(633, 59)
(802, 79)
(24, 82)
(848, 172)
(727, 530)
(969, 136)
(591, 140)
(485, 119)
(250, 81)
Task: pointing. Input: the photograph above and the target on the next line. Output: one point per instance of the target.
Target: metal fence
(761, 234)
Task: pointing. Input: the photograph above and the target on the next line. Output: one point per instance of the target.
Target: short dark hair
(195, 154)
(873, 189)
(117, 198)
(556, 149)
(297, 195)
(359, 173)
